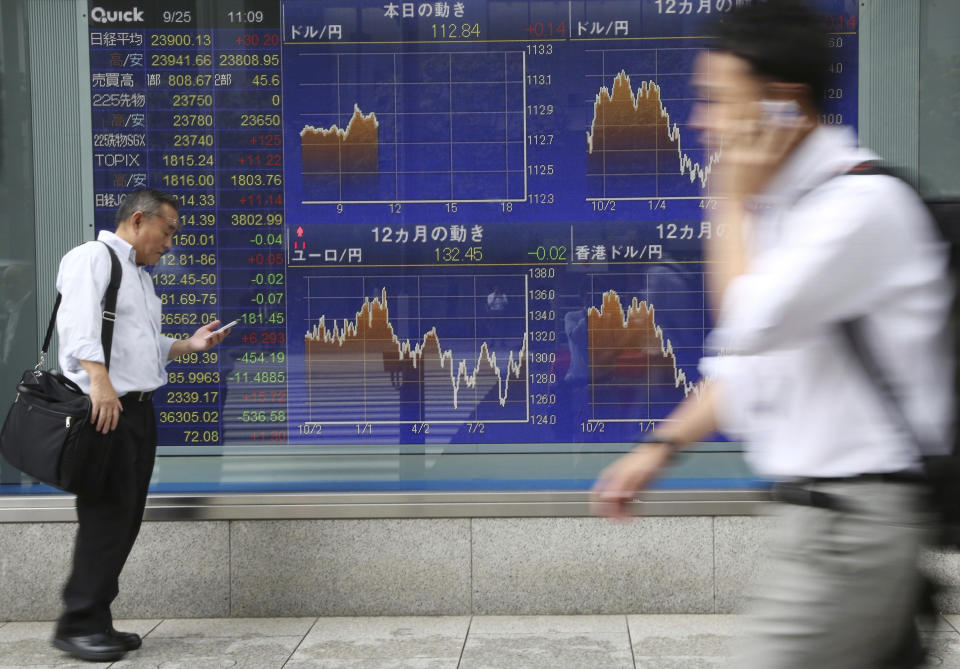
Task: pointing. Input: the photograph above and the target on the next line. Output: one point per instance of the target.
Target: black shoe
(92, 647)
(130, 640)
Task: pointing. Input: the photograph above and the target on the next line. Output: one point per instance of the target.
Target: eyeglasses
(173, 219)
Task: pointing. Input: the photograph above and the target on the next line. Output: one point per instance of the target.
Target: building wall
(448, 566)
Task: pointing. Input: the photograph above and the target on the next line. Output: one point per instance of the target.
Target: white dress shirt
(824, 249)
(139, 354)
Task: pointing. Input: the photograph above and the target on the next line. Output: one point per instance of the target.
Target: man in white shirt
(121, 403)
(813, 246)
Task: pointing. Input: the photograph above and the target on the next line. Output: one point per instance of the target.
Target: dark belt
(138, 396)
(802, 492)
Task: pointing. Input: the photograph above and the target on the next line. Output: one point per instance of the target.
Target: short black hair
(782, 40)
(146, 200)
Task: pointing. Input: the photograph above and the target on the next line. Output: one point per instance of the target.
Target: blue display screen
(474, 225)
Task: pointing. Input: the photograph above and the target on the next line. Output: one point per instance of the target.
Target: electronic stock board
(472, 222)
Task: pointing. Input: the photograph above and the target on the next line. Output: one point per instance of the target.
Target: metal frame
(277, 506)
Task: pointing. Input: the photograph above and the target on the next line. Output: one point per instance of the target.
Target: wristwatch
(654, 438)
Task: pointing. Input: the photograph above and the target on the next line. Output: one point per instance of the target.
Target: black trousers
(109, 523)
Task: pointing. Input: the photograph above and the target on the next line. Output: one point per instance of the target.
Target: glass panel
(457, 261)
(18, 304)
(939, 97)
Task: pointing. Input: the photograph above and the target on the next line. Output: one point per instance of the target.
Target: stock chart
(474, 223)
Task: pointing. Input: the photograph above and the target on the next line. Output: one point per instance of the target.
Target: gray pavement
(449, 642)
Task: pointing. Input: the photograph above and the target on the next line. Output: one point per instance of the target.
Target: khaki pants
(840, 588)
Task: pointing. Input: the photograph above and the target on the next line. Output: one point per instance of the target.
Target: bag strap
(109, 315)
(853, 332)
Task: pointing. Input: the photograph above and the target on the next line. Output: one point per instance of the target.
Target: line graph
(342, 159)
(636, 149)
(432, 126)
(642, 351)
(422, 349)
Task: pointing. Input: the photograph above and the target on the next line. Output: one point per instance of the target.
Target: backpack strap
(109, 315)
(853, 332)
(871, 167)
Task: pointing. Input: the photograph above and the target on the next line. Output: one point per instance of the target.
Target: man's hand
(620, 482)
(751, 157)
(105, 406)
(693, 419)
(205, 338)
(201, 340)
(753, 153)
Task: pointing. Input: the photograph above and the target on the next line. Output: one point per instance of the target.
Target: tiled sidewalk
(461, 642)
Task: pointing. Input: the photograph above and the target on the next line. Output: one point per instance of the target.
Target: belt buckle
(142, 395)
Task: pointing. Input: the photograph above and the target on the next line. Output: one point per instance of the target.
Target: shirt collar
(123, 248)
(826, 152)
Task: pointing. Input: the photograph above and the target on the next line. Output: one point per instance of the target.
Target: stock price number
(263, 416)
(184, 60)
(198, 219)
(170, 279)
(201, 436)
(195, 200)
(256, 219)
(263, 376)
(260, 120)
(271, 298)
(187, 180)
(202, 279)
(189, 416)
(189, 80)
(255, 357)
(275, 258)
(191, 396)
(191, 100)
(187, 160)
(193, 139)
(199, 358)
(189, 259)
(193, 377)
(177, 318)
(267, 239)
(268, 80)
(455, 254)
(267, 279)
(278, 337)
(249, 60)
(194, 239)
(187, 299)
(180, 39)
(258, 318)
(265, 396)
(456, 31)
(256, 179)
(549, 253)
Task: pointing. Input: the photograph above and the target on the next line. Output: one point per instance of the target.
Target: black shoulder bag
(47, 433)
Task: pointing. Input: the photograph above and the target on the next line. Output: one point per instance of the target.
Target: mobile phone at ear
(781, 113)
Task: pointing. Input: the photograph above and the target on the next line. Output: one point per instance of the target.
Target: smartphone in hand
(781, 113)
(223, 328)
